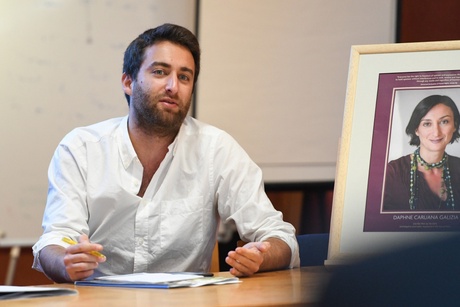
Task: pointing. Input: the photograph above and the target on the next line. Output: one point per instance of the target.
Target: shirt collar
(180, 135)
(126, 149)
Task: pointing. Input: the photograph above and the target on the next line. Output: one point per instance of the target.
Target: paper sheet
(20, 292)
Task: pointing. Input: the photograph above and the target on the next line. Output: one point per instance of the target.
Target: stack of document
(157, 280)
(20, 292)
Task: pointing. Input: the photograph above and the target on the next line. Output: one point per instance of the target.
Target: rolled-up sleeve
(65, 212)
(242, 199)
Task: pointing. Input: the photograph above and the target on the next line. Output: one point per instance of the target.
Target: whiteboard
(274, 76)
(60, 67)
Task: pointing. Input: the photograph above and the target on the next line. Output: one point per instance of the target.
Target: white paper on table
(149, 278)
(16, 292)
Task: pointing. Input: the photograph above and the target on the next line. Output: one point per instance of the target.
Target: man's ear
(126, 83)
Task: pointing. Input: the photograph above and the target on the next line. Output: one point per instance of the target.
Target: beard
(151, 118)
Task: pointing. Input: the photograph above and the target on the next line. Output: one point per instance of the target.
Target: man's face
(161, 95)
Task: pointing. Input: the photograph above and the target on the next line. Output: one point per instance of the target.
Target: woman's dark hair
(134, 54)
(422, 108)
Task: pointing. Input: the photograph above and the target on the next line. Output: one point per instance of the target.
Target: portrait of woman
(429, 178)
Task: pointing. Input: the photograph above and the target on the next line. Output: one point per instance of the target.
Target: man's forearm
(278, 256)
(51, 260)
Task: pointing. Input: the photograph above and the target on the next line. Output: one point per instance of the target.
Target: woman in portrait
(427, 179)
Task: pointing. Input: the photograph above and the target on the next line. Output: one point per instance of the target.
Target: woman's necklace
(446, 186)
(427, 165)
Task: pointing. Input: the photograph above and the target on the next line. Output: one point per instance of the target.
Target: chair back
(313, 248)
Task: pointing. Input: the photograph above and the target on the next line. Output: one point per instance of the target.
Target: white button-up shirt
(94, 179)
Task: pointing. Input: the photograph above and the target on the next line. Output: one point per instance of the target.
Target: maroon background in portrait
(375, 219)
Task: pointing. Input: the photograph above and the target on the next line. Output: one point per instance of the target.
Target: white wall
(274, 76)
(60, 67)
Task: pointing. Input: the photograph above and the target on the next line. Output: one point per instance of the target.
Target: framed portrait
(381, 198)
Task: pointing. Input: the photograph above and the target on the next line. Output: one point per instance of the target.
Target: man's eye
(158, 72)
(184, 77)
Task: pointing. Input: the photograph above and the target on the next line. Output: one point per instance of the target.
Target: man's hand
(71, 263)
(272, 254)
(246, 260)
(78, 261)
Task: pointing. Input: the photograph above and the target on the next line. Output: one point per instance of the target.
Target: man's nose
(171, 84)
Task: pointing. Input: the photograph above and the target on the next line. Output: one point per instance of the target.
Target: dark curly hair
(134, 54)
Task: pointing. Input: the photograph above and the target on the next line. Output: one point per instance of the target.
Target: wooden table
(296, 287)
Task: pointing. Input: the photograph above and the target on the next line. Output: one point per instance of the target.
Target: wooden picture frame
(377, 73)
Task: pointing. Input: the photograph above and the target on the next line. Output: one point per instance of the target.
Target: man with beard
(150, 188)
